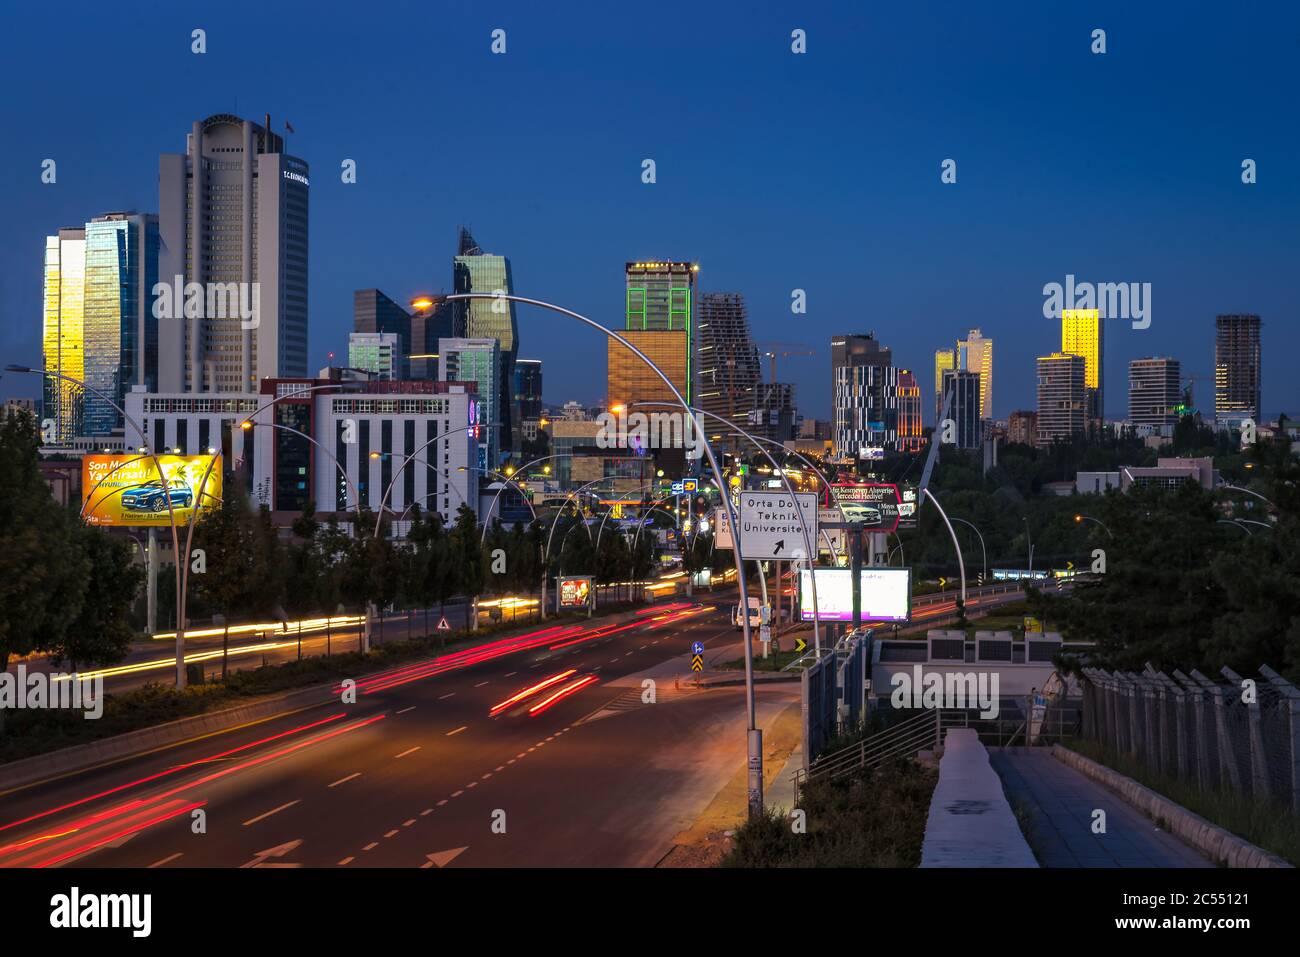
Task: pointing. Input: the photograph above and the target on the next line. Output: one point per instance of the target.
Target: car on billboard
(868, 515)
(152, 497)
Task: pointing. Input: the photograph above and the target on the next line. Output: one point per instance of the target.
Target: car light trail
(562, 693)
(78, 851)
(532, 690)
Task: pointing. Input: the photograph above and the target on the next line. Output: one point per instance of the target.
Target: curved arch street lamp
(1080, 518)
(754, 736)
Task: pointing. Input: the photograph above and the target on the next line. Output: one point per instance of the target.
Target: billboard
(877, 505)
(126, 490)
(574, 592)
(886, 594)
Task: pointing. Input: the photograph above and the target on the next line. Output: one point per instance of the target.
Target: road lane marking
(426, 812)
(486, 776)
(500, 767)
(512, 674)
(346, 860)
(442, 802)
(372, 844)
(480, 684)
(408, 823)
(262, 817)
(458, 730)
(472, 784)
(521, 754)
(391, 833)
(407, 751)
(165, 860)
(446, 696)
(404, 710)
(355, 774)
(512, 761)
(457, 794)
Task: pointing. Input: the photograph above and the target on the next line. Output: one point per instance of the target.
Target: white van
(755, 614)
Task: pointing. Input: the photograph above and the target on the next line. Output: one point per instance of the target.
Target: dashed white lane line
(404, 710)
(521, 754)
(165, 860)
(613, 661)
(458, 730)
(426, 812)
(391, 833)
(446, 696)
(457, 794)
(371, 846)
(512, 674)
(472, 784)
(486, 776)
(408, 751)
(480, 684)
(628, 655)
(408, 823)
(512, 761)
(442, 802)
(355, 774)
(262, 817)
(500, 767)
(642, 648)
(346, 861)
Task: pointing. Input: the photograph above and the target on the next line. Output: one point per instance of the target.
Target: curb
(721, 681)
(1221, 846)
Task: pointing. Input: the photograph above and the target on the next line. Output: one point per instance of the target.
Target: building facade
(944, 360)
(373, 312)
(1062, 397)
(1154, 395)
(477, 271)
(377, 353)
(528, 390)
(1083, 334)
(660, 297)
(975, 354)
(729, 368)
(478, 361)
(1022, 427)
(1236, 370)
(962, 394)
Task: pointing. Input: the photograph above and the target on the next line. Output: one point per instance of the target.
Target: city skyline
(975, 245)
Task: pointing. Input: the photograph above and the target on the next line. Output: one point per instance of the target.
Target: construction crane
(784, 350)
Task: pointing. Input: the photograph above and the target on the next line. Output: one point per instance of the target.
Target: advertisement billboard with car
(127, 490)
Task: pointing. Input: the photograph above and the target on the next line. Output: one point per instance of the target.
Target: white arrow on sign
(443, 858)
(776, 525)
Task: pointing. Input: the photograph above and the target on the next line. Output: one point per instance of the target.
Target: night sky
(775, 171)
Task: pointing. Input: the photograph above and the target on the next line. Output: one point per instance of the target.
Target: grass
(778, 661)
(872, 819)
(1269, 825)
(25, 733)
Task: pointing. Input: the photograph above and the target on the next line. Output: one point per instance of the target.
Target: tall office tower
(944, 359)
(729, 369)
(99, 325)
(1154, 397)
(661, 298)
(372, 311)
(1236, 370)
(432, 318)
(528, 388)
(1083, 334)
(963, 409)
(477, 271)
(378, 353)
(232, 217)
(975, 354)
(477, 360)
(910, 433)
(1062, 397)
(772, 417)
(864, 396)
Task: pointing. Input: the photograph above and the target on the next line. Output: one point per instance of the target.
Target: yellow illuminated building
(64, 329)
(1082, 335)
(944, 360)
(632, 381)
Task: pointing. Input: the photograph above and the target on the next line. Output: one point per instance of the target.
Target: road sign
(800, 644)
(442, 624)
(773, 525)
(697, 647)
(697, 663)
(722, 529)
(690, 485)
(831, 534)
(942, 582)
(678, 488)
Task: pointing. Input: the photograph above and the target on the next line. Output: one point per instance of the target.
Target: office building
(1083, 334)
(910, 427)
(232, 219)
(1236, 370)
(379, 354)
(99, 326)
(528, 389)
(477, 360)
(373, 312)
(1062, 397)
(729, 369)
(962, 396)
(944, 360)
(477, 271)
(660, 297)
(975, 354)
(432, 318)
(772, 417)
(864, 396)
(1154, 397)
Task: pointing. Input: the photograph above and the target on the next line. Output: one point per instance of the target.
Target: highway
(529, 751)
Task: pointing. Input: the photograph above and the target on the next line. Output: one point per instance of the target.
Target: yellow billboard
(123, 490)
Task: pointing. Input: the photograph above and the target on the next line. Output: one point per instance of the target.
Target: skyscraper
(975, 354)
(865, 394)
(729, 370)
(910, 433)
(99, 325)
(660, 297)
(373, 312)
(378, 353)
(1154, 398)
(477, 360)
(528, 388)
(944, 359)
(233, 219)
(1062, 397)
(963, 408)
(432, 318)
(1083, 334)
(1236, 370)
(474, 270)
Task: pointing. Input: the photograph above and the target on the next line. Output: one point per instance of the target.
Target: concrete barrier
(1222, 847)
(970, 822)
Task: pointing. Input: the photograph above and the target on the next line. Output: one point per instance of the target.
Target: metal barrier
(904, 740)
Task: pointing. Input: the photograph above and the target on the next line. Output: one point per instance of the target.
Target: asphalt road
(421, 765)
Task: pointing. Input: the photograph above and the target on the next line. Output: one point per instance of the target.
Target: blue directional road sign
(697, 647)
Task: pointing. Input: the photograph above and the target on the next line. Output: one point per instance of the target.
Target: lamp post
(984, 552)
(754, 736)
(961, 562)
(1080, 518)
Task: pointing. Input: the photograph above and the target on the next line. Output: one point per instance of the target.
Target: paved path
(1058, 803)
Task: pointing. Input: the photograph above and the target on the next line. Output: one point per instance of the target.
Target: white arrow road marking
(278, 851)
(443, 858)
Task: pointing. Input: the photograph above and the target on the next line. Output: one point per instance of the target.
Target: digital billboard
(126, 490)
(876, 505)
(886, 594)
(574, 592)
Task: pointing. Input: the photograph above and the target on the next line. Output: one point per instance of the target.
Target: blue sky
(775, 171)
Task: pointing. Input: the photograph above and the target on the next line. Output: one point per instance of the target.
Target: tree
(230, 546)
(100, 633)
(466, 556)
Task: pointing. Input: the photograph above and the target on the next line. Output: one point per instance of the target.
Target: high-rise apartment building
(729, 369)
(1154, 396)
(232, 219)
(1083, 334)
(1062, 397)
(975, 354)
(962, 394)
(99, 326)
(477, 271)
(1236, 370)
(478, 361)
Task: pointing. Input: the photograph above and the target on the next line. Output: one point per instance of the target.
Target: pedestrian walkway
(1056, 805)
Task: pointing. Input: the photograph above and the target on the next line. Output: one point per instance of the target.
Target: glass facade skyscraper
(479, 361)
(474, 270)
(661, 298)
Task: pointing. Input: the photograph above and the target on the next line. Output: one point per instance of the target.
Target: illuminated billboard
(126, 490)
(574, 592)
(874, 505)
(886, 594)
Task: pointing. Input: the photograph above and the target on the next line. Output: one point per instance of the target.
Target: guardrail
(905, 739)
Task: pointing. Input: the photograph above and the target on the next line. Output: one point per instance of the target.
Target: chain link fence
(1233, 734)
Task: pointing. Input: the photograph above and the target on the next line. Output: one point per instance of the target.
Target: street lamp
(1079, 519)
(983, 551)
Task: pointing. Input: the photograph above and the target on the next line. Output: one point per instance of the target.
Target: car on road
(152, 497)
